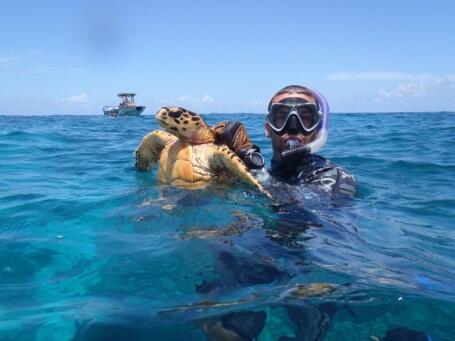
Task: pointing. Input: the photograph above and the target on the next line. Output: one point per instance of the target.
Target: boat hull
(128, 111)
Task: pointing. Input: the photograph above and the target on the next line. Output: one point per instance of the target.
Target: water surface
(92, 249)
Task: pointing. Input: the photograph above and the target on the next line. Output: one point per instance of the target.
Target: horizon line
(253, 113)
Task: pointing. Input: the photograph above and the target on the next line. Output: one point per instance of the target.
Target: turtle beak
(159, 115)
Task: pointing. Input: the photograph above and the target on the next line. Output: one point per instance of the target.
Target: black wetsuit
(315, 171)
(309, 170)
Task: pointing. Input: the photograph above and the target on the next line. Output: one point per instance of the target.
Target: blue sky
(73, 57)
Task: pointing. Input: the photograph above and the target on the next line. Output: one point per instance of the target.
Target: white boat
(126, 108)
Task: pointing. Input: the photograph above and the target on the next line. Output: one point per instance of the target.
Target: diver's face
(295, 135)
(280, 143)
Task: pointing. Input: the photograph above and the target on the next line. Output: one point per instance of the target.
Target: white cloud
(205, 99)
(401, 84)
(184, 98)
(384, 93)
(385, 76)
(77, 99)
(420, 88)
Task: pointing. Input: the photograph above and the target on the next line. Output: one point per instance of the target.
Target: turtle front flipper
(224, 158)
(149, 150)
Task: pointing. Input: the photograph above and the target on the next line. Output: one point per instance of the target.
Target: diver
(297, 124)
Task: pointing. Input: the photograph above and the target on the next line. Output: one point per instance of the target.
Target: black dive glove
(234, 135)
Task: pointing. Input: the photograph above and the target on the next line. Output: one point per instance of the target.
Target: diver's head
(294, 119)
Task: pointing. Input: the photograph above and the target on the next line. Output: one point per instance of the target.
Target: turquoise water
(90, 249)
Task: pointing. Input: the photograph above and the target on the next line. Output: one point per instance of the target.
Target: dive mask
(308, 114)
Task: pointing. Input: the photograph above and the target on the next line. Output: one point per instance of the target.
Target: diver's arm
(234, 135)
(330, 178)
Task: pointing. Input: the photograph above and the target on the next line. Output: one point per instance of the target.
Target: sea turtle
(187, 154)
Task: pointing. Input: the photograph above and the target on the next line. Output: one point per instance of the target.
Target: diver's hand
(234, 135)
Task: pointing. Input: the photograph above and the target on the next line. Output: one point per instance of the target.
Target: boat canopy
(128, 99)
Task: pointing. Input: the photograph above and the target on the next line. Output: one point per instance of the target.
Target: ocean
(91, 249)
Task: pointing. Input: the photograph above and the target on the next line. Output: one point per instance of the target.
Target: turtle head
(184, 124)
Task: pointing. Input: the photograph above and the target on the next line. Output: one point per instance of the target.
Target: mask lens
(279, 115)
(308, 115)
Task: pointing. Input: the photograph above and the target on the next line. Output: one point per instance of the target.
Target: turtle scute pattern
(187, 154)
